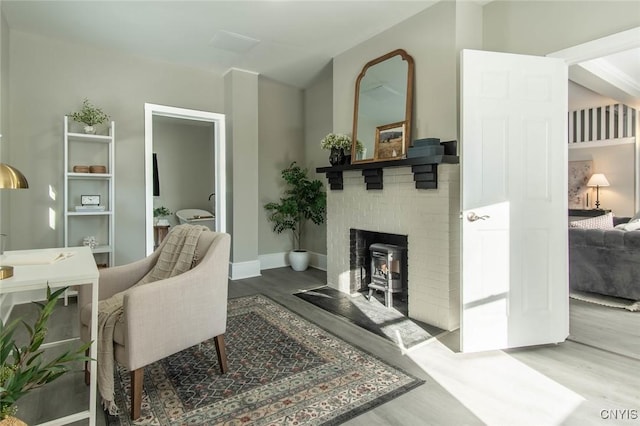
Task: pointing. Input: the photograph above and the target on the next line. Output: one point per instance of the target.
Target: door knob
(472, 217)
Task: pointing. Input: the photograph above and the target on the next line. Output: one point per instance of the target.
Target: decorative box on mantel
(425, 171)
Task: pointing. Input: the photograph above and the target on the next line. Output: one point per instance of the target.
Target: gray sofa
(605, 261)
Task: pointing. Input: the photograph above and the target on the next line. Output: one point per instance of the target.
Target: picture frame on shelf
(390, 141)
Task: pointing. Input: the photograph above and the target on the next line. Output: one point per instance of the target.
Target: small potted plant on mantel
(23, 368)
(303, 200)
(90, 116)
(339, 145)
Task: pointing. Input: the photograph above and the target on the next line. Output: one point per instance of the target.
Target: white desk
(33, 271)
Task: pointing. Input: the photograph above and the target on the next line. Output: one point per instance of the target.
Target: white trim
(273, 260)
(601, 143)
(318, 261)
(241, 270)
(281, 260)
(218, 120)
(604, 46)
(6, 306)
(241, 70)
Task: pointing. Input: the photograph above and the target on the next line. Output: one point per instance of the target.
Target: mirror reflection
(383, 97)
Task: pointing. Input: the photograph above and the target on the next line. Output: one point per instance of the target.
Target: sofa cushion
(599, 222)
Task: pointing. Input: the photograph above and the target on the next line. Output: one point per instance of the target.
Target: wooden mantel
(425, 171)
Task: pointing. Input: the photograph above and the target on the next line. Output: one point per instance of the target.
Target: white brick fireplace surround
(430, 219)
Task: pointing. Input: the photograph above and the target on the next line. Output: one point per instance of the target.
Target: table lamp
(598, 180)
(10, 178)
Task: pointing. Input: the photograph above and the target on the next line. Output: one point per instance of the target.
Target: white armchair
(166, 316)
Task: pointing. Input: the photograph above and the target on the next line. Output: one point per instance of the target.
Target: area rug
(372, 315)
(283, 369)
(612, 302)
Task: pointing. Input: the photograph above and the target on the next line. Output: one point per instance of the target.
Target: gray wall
(185, 165)
(281, 142)
(241, 94)
(49, 79)
(318, 122)
(618, 163)
(430, 37)
(542, 27)
(4, 111)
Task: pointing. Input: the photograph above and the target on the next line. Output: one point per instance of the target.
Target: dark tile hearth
(372, 316)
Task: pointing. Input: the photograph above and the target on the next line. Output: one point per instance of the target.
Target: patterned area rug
(282, 370)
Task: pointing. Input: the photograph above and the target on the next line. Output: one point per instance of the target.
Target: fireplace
(427, 219)
(361, 260)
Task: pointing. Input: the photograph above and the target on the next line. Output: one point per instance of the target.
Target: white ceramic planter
(299, 260)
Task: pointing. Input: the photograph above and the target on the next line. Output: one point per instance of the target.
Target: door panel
(514, 239)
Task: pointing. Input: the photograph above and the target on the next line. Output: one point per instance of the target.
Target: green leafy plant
(89, 114)
(303, 200)
(23, 368)
(335, 140)
(161, 211)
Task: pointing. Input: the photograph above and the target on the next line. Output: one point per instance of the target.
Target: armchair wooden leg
(137, 376)
(222, 352)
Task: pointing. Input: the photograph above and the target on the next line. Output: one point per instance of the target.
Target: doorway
(219, 154)
(607, 328)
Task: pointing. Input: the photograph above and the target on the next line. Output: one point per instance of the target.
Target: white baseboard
(240, 270)
(318, 261)
(280, 260)
(6, 306)
(273, 260)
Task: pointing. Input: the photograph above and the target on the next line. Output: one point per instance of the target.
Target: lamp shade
(12, 178)
(598, 179)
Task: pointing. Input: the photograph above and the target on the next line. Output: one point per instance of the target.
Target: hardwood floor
(570, 383)
(612, 329)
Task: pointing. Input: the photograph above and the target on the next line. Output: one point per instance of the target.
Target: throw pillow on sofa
(599, 222)
(629, 226)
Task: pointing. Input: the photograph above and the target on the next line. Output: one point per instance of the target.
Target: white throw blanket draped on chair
(178, 255)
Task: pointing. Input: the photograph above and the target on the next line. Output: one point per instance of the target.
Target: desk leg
(93, 386)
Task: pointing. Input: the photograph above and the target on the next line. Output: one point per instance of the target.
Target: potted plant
(339, 144)
(159, 214)
(303, 200)
(90, 116)
(23, 368)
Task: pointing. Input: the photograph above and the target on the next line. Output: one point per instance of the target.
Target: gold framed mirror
(383, 97)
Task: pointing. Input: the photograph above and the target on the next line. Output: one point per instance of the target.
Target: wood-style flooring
(572, 383)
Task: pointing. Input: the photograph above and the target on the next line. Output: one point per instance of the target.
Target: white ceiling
(288, 41)
(295, 39)
(616, 76)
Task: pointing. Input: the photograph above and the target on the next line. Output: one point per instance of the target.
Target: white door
(513, 156)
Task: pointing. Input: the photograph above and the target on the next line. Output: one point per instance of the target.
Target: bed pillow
(599, 222)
